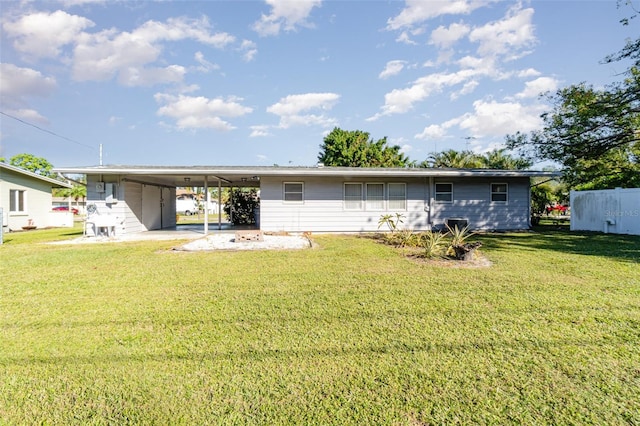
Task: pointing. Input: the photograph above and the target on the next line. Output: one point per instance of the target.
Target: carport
(144, 197)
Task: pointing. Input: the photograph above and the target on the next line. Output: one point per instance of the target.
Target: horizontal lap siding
(472, 201)
(323, 207)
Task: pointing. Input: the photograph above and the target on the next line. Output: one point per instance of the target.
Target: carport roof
(250, 175)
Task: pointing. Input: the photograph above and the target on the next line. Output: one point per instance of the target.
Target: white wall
(37, 201)
(614, 211)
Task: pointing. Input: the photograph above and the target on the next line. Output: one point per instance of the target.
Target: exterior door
(151, 207)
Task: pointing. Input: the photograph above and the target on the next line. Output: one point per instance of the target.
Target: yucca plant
(458, 247)
(459, 236)
(406, 238)
(433, 244)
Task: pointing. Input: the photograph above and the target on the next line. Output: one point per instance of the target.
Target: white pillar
(219, 205)
(207, 199)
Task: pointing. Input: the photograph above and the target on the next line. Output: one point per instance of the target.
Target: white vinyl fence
(611, 210)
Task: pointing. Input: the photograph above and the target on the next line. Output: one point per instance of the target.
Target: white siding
(37, 200)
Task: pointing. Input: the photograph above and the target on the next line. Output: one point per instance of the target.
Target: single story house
(26, 199)
(320, 199)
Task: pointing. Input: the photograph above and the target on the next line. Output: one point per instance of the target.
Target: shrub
(433, 244)
(242, 204)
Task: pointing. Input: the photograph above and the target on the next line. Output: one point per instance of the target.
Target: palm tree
(453, 159)
(500, 159)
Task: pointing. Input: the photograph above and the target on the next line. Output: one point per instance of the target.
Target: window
(499, 192)
(444, 193)
(16, 200)
(397, 196)
(353, 196)
(294, 192)
(375, 196)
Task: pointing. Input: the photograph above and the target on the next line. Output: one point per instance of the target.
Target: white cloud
(392, 68)
(17, 84)
(433, 131)
(491, 118)
(27, 114)
(529, 72)
(192, 112)
(249, 50)
(44, 34)
(446, 37)
(205, 66)
(418, 11)
(133, 76)
(103, 55)
(467, 88)
(293, 109)
(405, 148)
(402, 100)
(259, 131)
(285, 15)
(507, 36)
(540, 85)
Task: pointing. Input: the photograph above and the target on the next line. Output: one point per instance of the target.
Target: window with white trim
(353, 196)
(397, 194)
(499, 192)
(444, 193)
(16, 200)
(293, 192)
(375, 196)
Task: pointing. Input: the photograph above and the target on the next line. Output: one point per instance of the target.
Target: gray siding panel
(323, 208)
(472, 201)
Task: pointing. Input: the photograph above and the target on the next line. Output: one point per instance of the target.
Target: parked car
(65, 209)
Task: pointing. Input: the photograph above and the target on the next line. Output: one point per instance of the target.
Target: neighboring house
(26, 199)
(608, 210)
(321, 199)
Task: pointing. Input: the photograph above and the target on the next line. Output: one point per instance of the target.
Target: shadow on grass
(560, 239)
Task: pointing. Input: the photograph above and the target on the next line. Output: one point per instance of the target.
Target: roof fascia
(52, 181)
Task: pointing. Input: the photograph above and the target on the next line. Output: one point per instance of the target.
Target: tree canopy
(34, 164)
(355, 149)
(594, 133)
(496, 159)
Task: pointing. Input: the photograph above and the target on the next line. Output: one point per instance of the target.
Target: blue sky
(262, 82)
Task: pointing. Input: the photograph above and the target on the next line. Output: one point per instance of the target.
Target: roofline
(302, 171)
(55, 182)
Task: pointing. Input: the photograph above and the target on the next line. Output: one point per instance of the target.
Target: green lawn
(349, 333)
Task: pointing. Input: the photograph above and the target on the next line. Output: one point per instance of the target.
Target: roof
(53, 182)
(250, 175)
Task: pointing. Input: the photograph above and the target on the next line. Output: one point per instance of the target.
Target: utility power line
(47, 131)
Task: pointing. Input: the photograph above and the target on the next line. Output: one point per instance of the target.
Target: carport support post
(207, 200)
(219, 205)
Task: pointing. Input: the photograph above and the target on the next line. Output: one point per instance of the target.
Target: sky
(261, 83)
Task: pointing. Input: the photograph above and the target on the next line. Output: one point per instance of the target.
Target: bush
(241, 205)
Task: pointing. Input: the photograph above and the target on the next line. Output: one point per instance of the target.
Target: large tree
(594, 133)
(34, 164)
(354, 148)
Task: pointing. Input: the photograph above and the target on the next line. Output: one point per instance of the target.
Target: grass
(350, 333)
